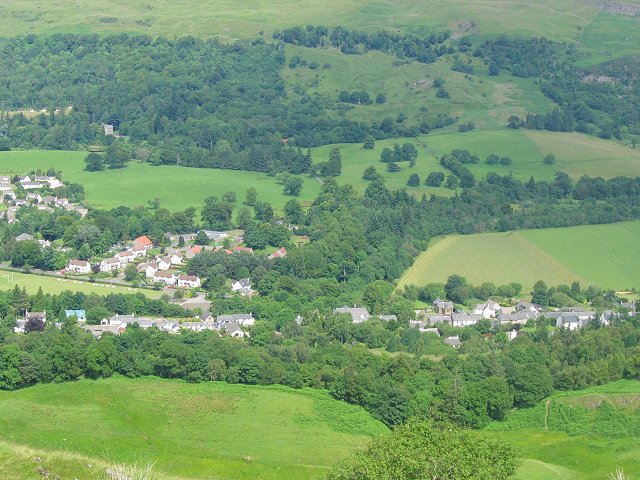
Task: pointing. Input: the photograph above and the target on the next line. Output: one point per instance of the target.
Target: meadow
(570, 437)
(53, 285)
(211, 430)
(555, 255)
(177, 188)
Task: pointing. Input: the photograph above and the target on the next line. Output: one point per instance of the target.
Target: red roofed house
(193, 251)
(243, 249)
(280, 253)
(143, 241)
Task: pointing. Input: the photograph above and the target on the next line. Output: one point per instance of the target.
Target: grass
(582, 441)
(176, 187)
(8, 280)
(235, 19)
(555, 255)
(210, 430)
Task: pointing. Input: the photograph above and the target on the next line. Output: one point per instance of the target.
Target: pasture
(54, 285)
(605, 255)
(209, 430)
(566, 437)
(176, 187)
(247, 18)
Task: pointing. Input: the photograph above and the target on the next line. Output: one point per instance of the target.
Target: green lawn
(176, 187)
(605, 255)
(209, 430)
(9, 280)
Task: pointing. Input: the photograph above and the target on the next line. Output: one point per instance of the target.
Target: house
(5, 184)
(358, 314)
(453, 341)
(528, 306)
(125, 320)
(176, 258)
(518, 318)
(245, 319)
(34, 198)
(443, 308)
(574, 320)
(81, 315)
(387, 318)
(41, 316)
(489, 309)
(280, 253)
(19, 327)
(79, 266)
(196, 326)
(143, 241)
(215, 236)
(163, 264)
(433, 319)
(138, 251)
(53, 182)
(242, 286)
(11, 214)
(110, 264)
(44, 243)
(193, 251)
(126, 257)
(107, 128)
(150, 269)
(234, 330)
(98, 330)
(167, 278)
(24, 237)
(188, 281)
(422, 327)
(242, 249)
(465, 319)
(31, 185)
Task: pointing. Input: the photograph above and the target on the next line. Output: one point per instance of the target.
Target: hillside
(555, 255)
(211, 430)
(571, 436)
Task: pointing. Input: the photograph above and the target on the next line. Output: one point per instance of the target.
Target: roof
(110, 260)
(24, 236)
(453, 341)
(75, 313)
(143, 241)
(242, 249)
(164, 274)
(233, 317)
(353, 311)
(79, 263)
(195, 249)
(188, 278)
(280, 253)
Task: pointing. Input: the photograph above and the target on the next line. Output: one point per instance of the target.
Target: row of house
(361, 314)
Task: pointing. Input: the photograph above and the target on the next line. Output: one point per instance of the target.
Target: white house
(163, 264)
(150, 270)
(139, 251)
(242, 286)
(164, 277)
(235, 330)
(188, 281)
(79, 266)
(143, 241)
(358, 314)
(5, 183)
(126, 257)
(465, 319)
(110, 264)
(489, 309)
(240, 318)
(176, 258)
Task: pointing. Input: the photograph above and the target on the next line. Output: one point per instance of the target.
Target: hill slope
(211, 430)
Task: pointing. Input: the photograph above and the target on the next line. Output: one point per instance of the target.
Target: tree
(393, 167)
(293, 212)
(293, 186)
(409, 152)
(116, 155)
(369, 173)
(514, 122)
(229, 197)
(421, 451)
(181, 241)
(251, 196)
(369, 143)
(414, 180)
(130, 273)
(451, 182)
(201, 238)
(264, 211)
(434, 179)
(381, 98)
(217, 215)
(549, 159)
(387, 156)
(494, 69)
(540, 293)
(93, 162)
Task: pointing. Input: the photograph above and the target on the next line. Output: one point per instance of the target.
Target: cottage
(489, 309)
(163, 264)
(150, 269)
(387, 318)
(81, 315)
(196, 326)
(242, 286)
(465, 319)
(98, 330)
(79, 266)
(234, 330)
(34, 198)
(31, 185)
(110, 264)
(358, 314)
(143, 241)
(193, 251)
(242, 249)
(176, 258)
(188, 281)
(521, 317)
(214, 236)
(139, 251)
(164, 277)
(280, 253)
(245, 319)
(126, 257)
(52, 182)
(574, 320)
(443, 308)
(5, 184)
(107, 128)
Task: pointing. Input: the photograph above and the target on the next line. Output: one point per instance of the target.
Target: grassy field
(9, 280)
(555, 255)
(580, 441)
(235, 19)
(176, 187)
(225, 431)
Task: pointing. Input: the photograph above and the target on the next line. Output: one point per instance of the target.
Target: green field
(605, 255)
(581, 440)
(8, 280)
(210, 430)
(176, 187)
